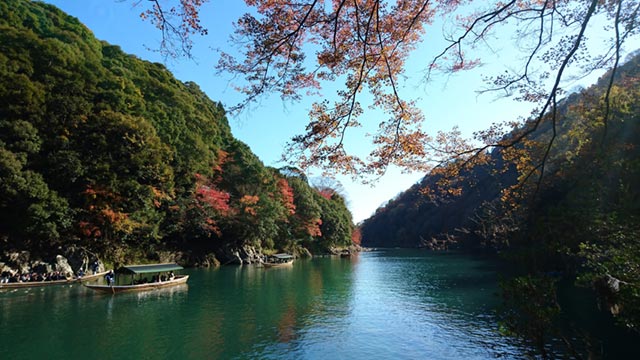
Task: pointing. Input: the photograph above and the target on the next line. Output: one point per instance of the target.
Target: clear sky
(446, 102)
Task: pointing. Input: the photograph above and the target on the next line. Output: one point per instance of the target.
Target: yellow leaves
(427, 191)
(159, 196)
(109, 219)
(249, 199)
(248, 202)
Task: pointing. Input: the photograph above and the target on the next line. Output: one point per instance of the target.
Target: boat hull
(29, 284)
(273, 265)
(180, 279)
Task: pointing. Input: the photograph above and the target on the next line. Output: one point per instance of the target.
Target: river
(393, 304)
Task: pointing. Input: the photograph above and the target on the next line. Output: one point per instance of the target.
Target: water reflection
(373, 305)
(162, 293)
(287, 325)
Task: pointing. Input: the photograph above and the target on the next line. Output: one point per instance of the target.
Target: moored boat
(278, 260)
(162, 277)
(73, 280)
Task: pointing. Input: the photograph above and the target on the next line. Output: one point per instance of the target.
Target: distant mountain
(577, 225)
(478, 217)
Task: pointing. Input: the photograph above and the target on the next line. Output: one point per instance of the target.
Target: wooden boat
(92, 277)
(28, 284)
(278, 260)
(140, 284)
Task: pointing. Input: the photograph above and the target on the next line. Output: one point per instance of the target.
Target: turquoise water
(395, 304)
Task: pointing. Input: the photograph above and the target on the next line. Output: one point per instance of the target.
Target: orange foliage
(211, 226)
(112, 216)
(159, 195)
(89, 230)
(287, 195)
(367, 43)
(248, 201)
(356, 236)
(207, 194)
(101, 194)
(221, 159)
(101, 205)
(326, 193)
(217, 199)
(313, 227)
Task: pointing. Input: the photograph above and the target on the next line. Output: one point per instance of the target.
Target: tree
(307, 219)
(336, 226)
(365, 44)
(101, 150)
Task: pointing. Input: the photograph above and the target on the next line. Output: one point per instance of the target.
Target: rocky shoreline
(71, 260)
(67, 263)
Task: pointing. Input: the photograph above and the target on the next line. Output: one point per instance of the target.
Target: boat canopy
(283, 256)
(149, 268)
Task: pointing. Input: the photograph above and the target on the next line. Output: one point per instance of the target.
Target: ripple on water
(386, 305)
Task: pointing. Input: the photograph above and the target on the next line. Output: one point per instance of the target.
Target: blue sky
(446, 101)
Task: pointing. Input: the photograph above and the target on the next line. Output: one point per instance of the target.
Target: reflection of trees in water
(266, 306)
(49, 296)
(322, 286)
(287, 324)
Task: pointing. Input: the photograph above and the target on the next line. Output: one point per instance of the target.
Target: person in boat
(110, 278)
(53, 276)
(95, 267)
(172, 276)
(5, 277)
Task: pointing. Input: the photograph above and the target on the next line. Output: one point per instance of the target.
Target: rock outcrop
(243, 255)
(67, 262)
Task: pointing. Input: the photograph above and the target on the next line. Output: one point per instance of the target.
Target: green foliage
(32, 213)
(101, 149)
(308, 211)
(530, 308)
(581, 219)
(336, 225)
(611, 267)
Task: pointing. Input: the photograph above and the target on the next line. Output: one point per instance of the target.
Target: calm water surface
(394, 304)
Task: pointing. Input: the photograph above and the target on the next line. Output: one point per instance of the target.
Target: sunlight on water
(379, 305)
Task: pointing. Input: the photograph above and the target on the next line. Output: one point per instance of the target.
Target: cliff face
(105, 152)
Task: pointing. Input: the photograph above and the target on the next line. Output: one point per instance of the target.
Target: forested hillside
(109, 155)
(579, 221)
(584, 147)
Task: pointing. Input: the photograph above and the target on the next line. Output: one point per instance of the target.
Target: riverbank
(73, 260)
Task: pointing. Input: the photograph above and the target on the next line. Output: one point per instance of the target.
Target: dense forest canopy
(102, 151)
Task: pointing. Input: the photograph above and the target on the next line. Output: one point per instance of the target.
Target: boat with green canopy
(278, 260)
(136, 278)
